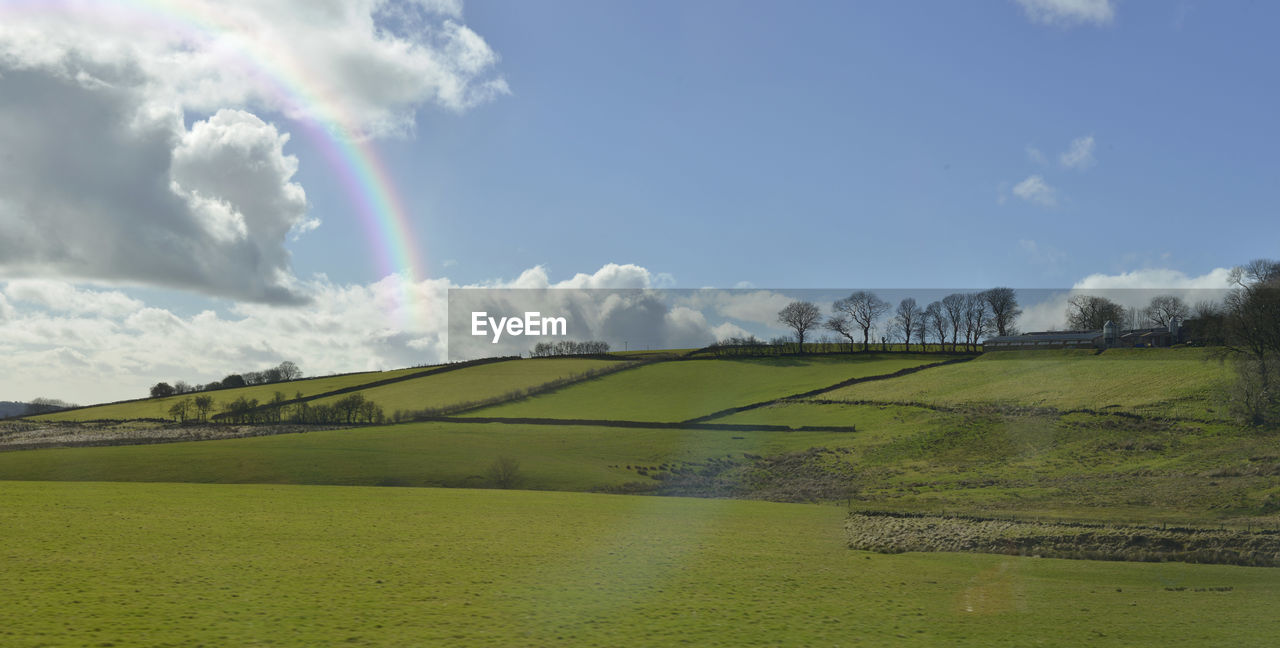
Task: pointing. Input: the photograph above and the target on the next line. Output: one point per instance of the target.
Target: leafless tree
(864, 308)
(936, 320)
(953, 307)
(840, 324)
(1090, 312)
(800, 316)
(1003, 304)
(975, 319)
(907, 319)
(289, 371)
(1253, 332)
(1163, 309)
(504, 472)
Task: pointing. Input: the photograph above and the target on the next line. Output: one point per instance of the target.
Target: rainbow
(322, 117)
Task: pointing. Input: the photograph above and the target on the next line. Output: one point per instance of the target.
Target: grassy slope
(476, 383)
(159, 407)
(182, 565)
(1160, 382)
(682, 390)
(419, 454)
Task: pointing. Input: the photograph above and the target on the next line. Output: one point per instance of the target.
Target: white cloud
(60, 297)
(1034, 189)
(102, 180)
(1069, 12)
(1035, 155)
(1130, 289)
(368, 63)
(1079, 155)
(93, 345)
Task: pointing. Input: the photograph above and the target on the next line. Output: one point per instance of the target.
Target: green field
(686, 389)
(476, 383)
(185, 565)
(571, 457)
(158, 408)
(1157, 382)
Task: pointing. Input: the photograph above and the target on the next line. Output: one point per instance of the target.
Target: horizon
(199, 192)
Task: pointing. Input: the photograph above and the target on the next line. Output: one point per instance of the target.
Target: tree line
(567, 348)
(350, 409)
(966, 317)
(283, 372)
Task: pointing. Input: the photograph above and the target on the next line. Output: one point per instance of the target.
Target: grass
(1157, 382)
(573, 457)
(682, 390)
(1071, 467)
(476, 383)
(184, 565)
(158, 408)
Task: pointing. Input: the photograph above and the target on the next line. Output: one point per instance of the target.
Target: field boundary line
(653, 425)
(377, 383)
(822, 390)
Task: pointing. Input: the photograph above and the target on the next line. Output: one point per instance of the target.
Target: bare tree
(289, 371)
(504, 472)
(1253, 332)
(921, 325)
(839, 323)
(907, 320)
(953, 307)
(1090, 312)
(975, 319)
(1163, 309)
(936, 319)
(1003, 305)
(864, 308)
(800, 316)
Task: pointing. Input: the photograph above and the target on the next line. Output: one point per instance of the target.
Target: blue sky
(831, 144)
(1028, 143)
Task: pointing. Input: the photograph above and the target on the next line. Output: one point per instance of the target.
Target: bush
(504, 472)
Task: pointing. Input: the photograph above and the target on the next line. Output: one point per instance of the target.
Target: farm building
(1109, 337)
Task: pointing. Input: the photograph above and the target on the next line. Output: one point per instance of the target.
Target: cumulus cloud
(1069, 13)
(92, 345)
(1035, 190)
(1079, 155)
(367, 63)
(132, 150)
(1044, 310)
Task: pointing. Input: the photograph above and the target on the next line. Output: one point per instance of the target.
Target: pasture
(478, 383)
(686, 389)
(1186, 382)
(183, 565)
(158, 408)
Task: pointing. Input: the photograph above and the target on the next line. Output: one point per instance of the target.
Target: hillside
(965, 437)
(1187, 382)
(688, 389)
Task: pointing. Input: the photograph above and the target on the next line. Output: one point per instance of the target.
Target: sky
(192, 188)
